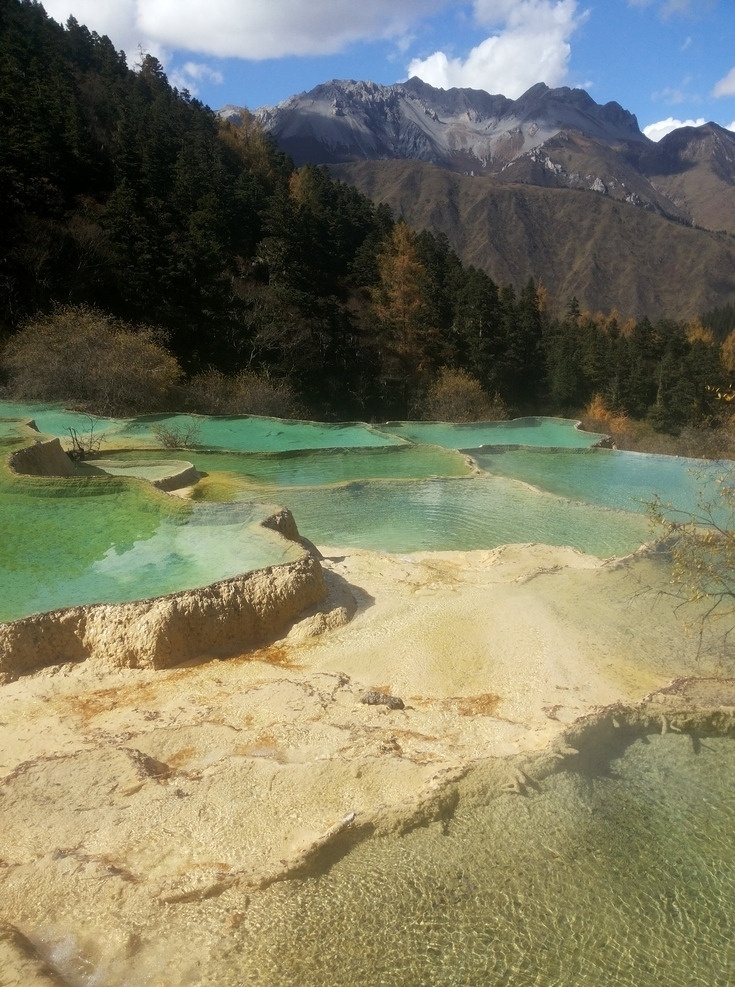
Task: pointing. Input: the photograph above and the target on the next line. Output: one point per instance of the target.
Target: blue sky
(671, 62)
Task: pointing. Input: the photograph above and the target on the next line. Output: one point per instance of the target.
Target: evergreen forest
(140, 231)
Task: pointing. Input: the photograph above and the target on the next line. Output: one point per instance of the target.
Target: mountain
(555, 138)
(694, 167)
(607, 254)
(463, 129)
(501, 178)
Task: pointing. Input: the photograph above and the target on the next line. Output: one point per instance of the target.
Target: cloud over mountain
(530, 41)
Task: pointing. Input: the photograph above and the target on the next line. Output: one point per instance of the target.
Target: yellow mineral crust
(142, 806)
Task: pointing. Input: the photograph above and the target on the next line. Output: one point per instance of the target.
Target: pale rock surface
(142, 809)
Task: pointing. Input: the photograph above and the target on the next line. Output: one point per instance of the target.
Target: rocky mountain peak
(461, 129)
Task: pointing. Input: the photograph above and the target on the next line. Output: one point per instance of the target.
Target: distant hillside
(694, 167)
(555, 138)
(501, 178)
(609, 255)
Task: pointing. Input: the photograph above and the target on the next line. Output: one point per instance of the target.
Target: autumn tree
(409, 338)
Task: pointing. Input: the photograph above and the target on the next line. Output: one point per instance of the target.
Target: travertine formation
(223, 619)
(151, 799)
(217, 621)
(42, 459)
(145, 809)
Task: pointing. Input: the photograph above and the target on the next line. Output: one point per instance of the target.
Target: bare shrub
(456, 396)
(177, 436)
(701, 547)
(86, 443)
(244, 393)
(80, 355)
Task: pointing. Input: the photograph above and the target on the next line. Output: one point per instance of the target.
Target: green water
(619, 872)
(400, 487)
(238, 433)
(324, 467)
(252, 434)
(70, 541)
(460, 515)
(551, 432)
(347, 497)
(624, 480)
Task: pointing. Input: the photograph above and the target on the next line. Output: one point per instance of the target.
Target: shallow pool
(398, 487)
(618, 872)
(91, 540)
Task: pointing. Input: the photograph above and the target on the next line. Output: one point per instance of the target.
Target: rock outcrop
(217, 621)
(42, 459)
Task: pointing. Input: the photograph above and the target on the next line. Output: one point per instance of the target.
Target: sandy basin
(142, 810)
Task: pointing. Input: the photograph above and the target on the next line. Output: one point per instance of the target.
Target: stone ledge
(221, 620)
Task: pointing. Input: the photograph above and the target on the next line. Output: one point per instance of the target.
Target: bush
(80, 355)
(245, 393)
(174, 436)
(456, 396)
(701, 547)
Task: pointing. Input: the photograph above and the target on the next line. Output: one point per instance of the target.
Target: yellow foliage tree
(399, 297)
(727, 354)
(456, 396)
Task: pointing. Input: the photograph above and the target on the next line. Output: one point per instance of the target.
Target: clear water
(450, 511)
(93, 540)
(460, 515)
(624, 480)
(558, 433)
(401, 487)
(619, 872)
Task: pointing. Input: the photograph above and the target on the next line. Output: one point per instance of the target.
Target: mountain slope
(501, 178)
(555, 138)
(694, 167)
(606, 253)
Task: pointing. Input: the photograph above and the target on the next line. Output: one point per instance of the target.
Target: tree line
(135, 218)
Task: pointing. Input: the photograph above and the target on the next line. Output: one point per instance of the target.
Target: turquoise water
(550, 432)
(251, 434)
(400, 487)
(108, 540)
(240, 433)
(452, 510)
(460, 515)
(618, 872)
(624, 480)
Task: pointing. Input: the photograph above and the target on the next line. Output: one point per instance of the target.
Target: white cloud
(726, 85)
(188, 75)
(655, 131)
(530, 43)
(250, 29)
(118, 19)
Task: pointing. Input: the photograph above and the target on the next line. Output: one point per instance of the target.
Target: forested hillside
(131, 212)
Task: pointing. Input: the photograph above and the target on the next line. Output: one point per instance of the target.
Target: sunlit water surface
(397, 487)
(620, 873)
